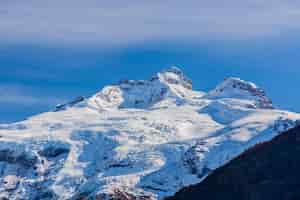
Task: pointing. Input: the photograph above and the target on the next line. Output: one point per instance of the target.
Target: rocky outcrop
(76, 101)
(119, 194)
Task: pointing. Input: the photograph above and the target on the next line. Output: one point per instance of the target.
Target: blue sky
(53, 51)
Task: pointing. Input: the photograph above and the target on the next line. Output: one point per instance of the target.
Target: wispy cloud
(119, 22)
(24, 96)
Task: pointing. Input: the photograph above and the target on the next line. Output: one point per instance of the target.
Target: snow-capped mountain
(269, 170)
(141, 139)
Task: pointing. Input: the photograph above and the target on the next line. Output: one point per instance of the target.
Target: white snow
(142, 137)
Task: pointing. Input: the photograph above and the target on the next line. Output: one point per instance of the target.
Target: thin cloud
(20, 95)
(125, 22)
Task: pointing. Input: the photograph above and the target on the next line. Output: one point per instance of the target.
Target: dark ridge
(269, 170)
(61, 107)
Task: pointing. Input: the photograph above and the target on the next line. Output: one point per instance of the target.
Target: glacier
(138, 139)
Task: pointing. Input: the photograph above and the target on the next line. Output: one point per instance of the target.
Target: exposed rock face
(119, 194)
(268, 170)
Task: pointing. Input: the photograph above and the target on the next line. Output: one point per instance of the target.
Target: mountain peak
(174, 69)
(170, 83)
(233, 87)
(175, 75)
(238, 82)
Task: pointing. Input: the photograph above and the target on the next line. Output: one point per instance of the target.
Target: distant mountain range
(139, 139)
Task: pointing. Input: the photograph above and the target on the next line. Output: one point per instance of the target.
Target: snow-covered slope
(143, 139)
